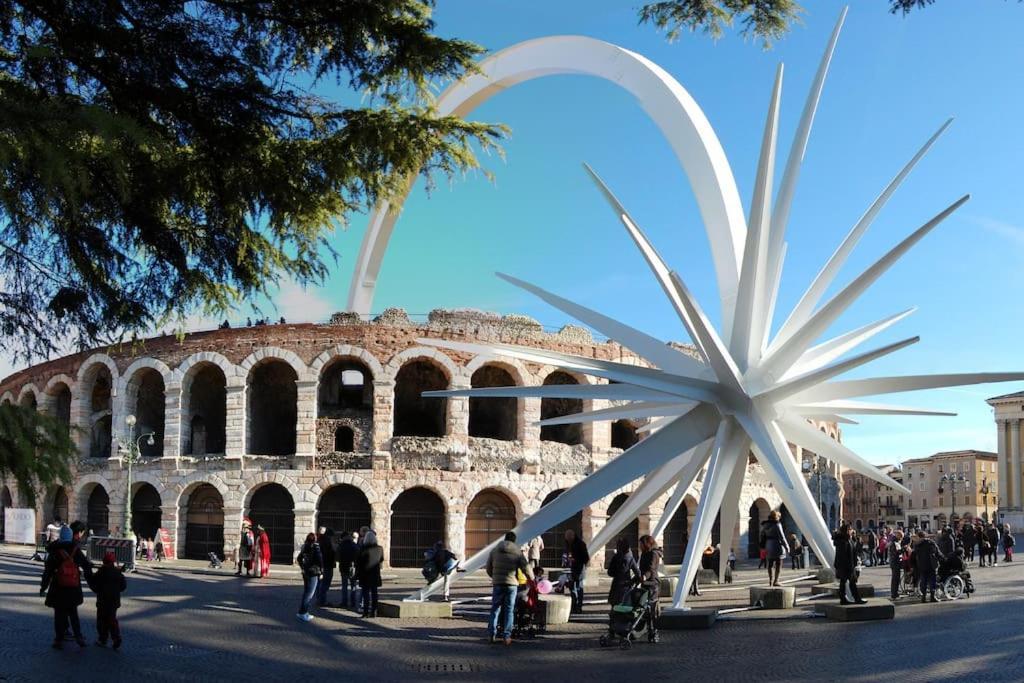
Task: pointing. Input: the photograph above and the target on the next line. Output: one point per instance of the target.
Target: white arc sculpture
(754, 391)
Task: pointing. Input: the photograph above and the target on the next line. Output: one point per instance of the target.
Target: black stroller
(628, 619)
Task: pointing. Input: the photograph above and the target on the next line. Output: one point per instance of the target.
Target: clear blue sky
(892, 83)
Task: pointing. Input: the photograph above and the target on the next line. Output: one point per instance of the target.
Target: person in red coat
(263, 550)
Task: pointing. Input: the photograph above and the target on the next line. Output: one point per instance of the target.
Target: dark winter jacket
(327, 552)
(504, 561)
(895, 554)
(992, 534)
(108, 583)
(60, 596)
(650, 568)
(347, 552)
(775, 544)
(368, 564)
(969, 537)
(945, 544)
(624, 572)
(927, 556)
(580, 555)
(846, 556)
(310, 559)
(1008, 540)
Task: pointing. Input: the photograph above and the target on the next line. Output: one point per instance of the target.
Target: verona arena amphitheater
(299, 425)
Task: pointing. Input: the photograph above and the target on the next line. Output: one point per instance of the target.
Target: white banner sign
(20, 525)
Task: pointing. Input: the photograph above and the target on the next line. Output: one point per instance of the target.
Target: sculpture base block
(866, 590)
(687, 619)
(782, 597)
(667, 585)
(558, 608)
(874, 609)
(408, 609)
(826, 575)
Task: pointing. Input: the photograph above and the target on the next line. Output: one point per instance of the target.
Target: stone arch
(756, 515)
(677, 533)
(147, 509)
(197, 479)
(624, 434)
(495, 418)
(339, 478)
(490, 513)
(28, 395)
(569, 434)
(414, 414)
(6, 501)
(7, 397)
(186, 366)
(631, 531)
(94, 501)
(418, 520)
(273, 352)
(201, 516)
(85, 483)
(347, 351)
(554, 537)
(272, 407)
(273, 506)
(401, 358)
(344, 508)
(58, 397)
(98, 379)
(144, 389)
(256, 480)
(203, 406)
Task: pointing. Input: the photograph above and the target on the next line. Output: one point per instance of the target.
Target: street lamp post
(983, 490)
(952, 480)
(131, 451)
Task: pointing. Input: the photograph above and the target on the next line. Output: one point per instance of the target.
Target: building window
(940, 468)
(910, 502)
(924, 502)
(967, 500)
(921, 486)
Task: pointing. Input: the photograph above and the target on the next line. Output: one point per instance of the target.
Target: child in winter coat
(108, 583)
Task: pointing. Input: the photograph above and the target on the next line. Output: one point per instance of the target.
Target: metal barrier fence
(123, 549)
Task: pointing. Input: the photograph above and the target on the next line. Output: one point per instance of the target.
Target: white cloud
(302, 305)
(1014, 233)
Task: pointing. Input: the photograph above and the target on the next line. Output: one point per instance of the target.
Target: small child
(108, 583)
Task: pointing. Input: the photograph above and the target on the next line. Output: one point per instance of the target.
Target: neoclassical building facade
(301, 425)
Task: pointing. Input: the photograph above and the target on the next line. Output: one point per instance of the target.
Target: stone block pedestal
(667, 586)
(826, 575)
(672, 619)
(409, 609)
(558, 608)
(876, 608)
(782, 597)
(866, 590)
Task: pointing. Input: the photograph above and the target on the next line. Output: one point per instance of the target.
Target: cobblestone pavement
(182, 626)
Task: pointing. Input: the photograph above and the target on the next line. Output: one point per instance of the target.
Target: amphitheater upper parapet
(308, 340)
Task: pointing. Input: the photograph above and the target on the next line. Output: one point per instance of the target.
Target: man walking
(576, 559)
(502, 564)
(926, 560)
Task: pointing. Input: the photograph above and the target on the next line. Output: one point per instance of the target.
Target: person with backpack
(624, 570)
(1007, 544)
(311, 563)
(441, 562)
(62, 586)
(108, 583)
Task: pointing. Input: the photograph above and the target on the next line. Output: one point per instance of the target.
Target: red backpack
(67, 571)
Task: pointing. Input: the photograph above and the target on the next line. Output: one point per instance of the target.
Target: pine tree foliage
(161, 157)
(35, 450)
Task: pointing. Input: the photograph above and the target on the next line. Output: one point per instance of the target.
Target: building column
(1004, 457)
(458, 417)
(305, 422)
(169, 522)
(234, 419)
(383, 414)
(380, 522)
(455, 529)
(1013, 466)
(172, 420)
(232, 533)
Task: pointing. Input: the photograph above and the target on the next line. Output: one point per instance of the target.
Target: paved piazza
(181, 625)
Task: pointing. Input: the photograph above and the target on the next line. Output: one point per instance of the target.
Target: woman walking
(368, 563)
(846, 564)
(624, 572)
(650, 575)
(775, 546)
(311, 563)
(895, 551)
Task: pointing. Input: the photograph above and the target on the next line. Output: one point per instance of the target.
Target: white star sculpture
(751, 392)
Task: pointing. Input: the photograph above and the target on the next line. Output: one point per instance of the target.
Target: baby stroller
(529, 617)
(628, 619)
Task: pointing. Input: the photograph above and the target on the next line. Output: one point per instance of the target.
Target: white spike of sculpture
(753, 393)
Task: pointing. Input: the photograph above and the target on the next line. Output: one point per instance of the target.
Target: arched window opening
(97, 518)
(204, 523)
(554, 538)
(570, 434)
(272, 508)
(417, 523)
(147, 514)
(624, 434)
(273, 408)
(415, 414)
(6, 501)
(147, 402)
(346, 384)
(677, 535)
(490, 514)
(631, 531)
(344, 509)
(60, 399)
(204, 407)
(493, 418)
